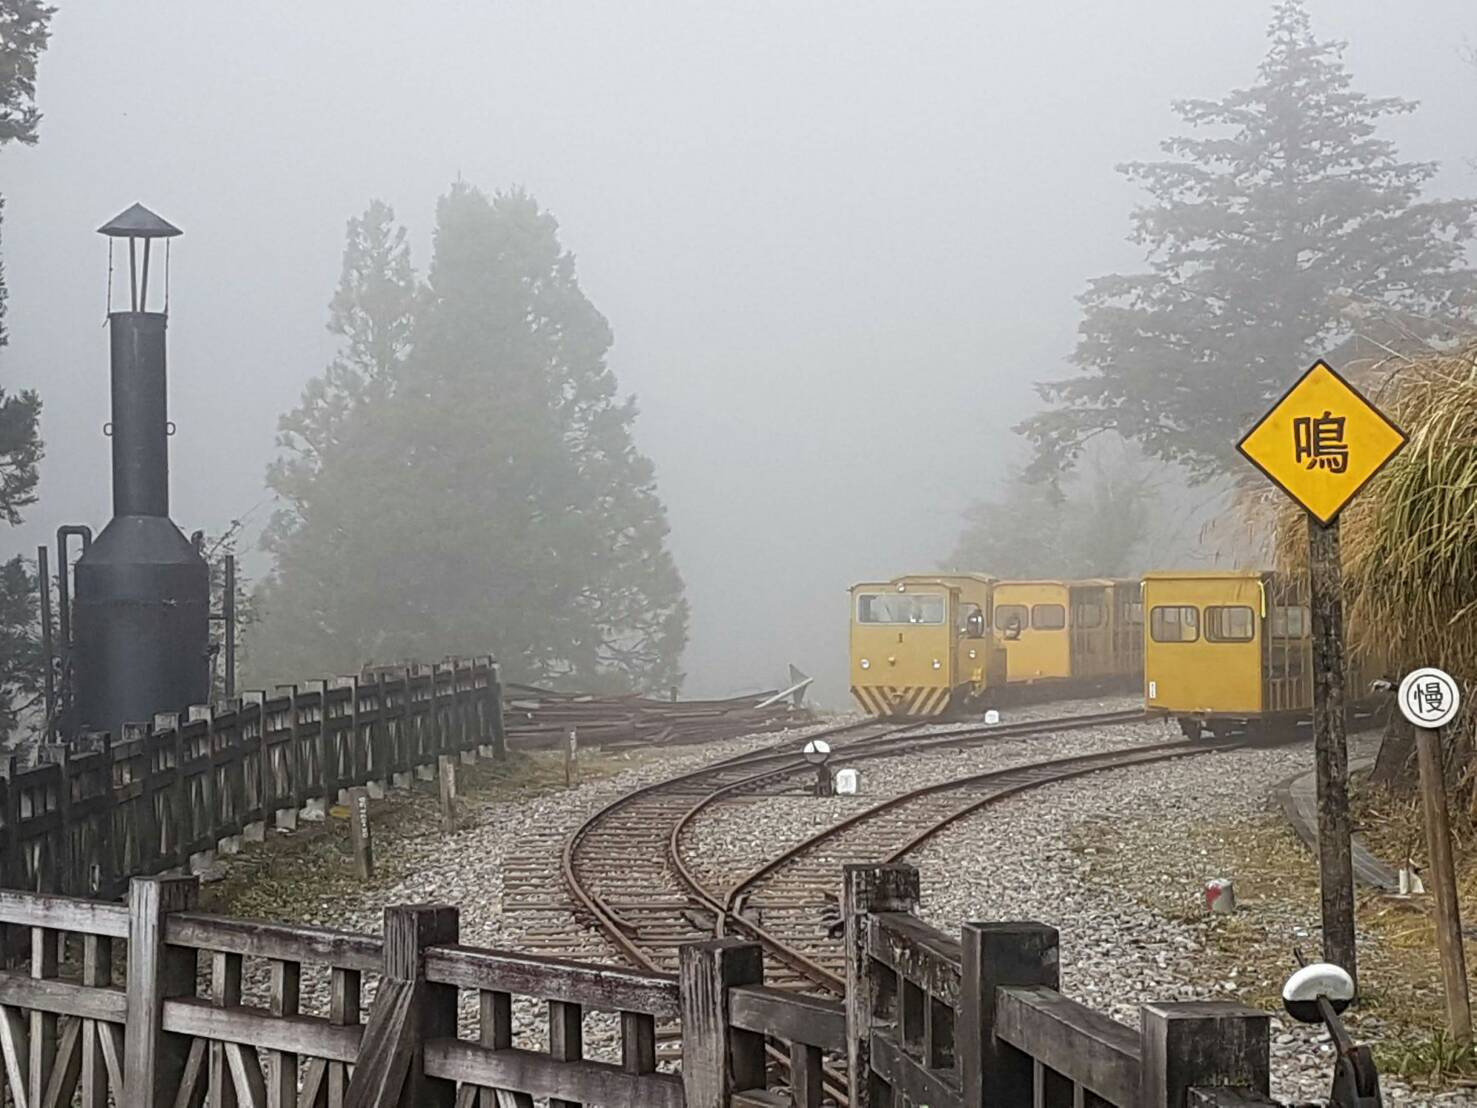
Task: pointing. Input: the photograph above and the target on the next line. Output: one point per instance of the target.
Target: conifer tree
(1269, 240)
(492, 498)
(24, 31)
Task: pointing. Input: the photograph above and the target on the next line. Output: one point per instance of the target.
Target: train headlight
(937, 664)
(971, 653)
(866, 664)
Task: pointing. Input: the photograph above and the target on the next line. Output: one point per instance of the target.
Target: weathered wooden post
(499, 724)
(1429, 699)
(718, 1060)
(1202, 1044)
(870, 889)
(286, 818)
(408, 1010)
(995, 956)
(97, 972)
(14, 875)
(155, 1059)
(360, 840)
(1330, 745)
(446, 776)
(572, 758)
(379, 740)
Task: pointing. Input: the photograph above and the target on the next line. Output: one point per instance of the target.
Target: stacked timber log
(539, 718)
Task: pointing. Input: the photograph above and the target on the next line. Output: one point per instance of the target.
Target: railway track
(788, 903)
(625, 870)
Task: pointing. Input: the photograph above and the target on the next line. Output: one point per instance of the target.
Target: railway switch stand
(818, 753)
(1317, 994)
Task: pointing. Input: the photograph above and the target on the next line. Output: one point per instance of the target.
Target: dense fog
(837, 243)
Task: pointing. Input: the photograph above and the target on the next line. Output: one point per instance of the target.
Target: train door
(1031, 623)
(979, 659)
(1091, 641)
(1127, 611)
(1287, 646)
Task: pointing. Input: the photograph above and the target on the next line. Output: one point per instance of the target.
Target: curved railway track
(625, 869)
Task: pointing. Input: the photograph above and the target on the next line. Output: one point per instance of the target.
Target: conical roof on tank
(138, 222)
(142, 540)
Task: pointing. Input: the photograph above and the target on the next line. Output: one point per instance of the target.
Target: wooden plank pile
(541, 718)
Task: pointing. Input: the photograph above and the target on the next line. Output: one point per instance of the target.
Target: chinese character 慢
(1433, 695)
(1321, 442)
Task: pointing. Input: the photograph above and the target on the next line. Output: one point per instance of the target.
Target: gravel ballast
(1103, 858)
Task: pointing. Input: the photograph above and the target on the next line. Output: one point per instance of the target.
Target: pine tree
(1267, 243)
(24, 30)
(372, 314)
(493, 498)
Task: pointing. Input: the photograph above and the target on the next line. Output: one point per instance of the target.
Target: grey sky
(836, 241)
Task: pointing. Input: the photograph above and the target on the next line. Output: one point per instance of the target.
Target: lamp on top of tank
(138, 224)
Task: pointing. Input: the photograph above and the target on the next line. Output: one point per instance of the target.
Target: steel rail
(1017, 779)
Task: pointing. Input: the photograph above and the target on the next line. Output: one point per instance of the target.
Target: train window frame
(1003, 612)
(1213, 631)
(1062, 626)
(1156, 623)
(1280, 627)
(1083, 606)
(943, 615)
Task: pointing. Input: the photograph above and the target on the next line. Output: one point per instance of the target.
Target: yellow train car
(1230, 650)
(921, 644)
(1086, 633)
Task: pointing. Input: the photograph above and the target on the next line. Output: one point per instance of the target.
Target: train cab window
(1048, 617)
(1087, 615)
(1233, 623)
(872, 607)
(1174, 624)
(1011, 616)
(1134, 613)
(1291, 622)
(973, 624)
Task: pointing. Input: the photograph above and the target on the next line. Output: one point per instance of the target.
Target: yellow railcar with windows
(1230, 650)
(921, 644)
(1083, 633)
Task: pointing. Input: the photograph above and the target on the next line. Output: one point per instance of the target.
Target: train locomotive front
(921, 645)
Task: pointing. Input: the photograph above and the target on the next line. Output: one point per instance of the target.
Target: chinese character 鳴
(1320, 441)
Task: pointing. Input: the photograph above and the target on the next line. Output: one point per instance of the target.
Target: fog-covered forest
(620, 342)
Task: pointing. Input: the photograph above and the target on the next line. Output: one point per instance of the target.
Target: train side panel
(1204, 643)
(1031, 622)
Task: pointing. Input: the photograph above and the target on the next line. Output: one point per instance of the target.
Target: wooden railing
(229, 1012)
(980, 1020)
(97, 812)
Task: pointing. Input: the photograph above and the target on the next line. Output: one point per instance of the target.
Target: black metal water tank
(142, 624)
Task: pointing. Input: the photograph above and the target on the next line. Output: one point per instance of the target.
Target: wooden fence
(151, 1004)
(97, 812)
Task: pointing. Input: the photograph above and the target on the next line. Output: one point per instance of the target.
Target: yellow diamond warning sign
(1322, 442)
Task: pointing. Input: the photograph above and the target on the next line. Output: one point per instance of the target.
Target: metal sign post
(1430, 699)
(1321, 444)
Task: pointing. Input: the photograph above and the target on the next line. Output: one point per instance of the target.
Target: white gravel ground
(1026, 859)
(1022, 859)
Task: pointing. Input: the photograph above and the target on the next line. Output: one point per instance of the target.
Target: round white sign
(817, 751)
(1429, 697)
